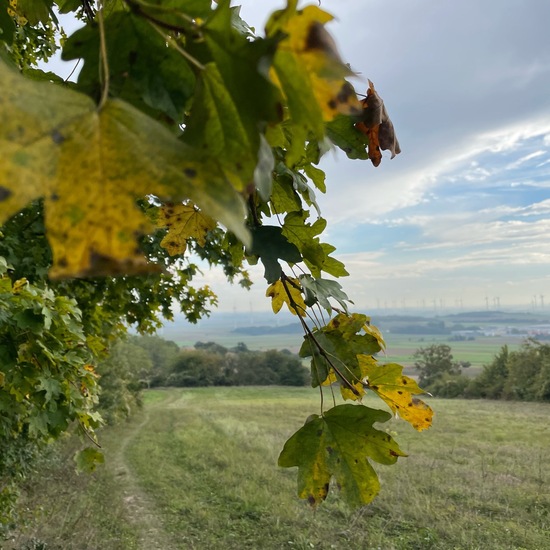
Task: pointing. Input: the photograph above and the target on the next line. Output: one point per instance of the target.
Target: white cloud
(524, 159)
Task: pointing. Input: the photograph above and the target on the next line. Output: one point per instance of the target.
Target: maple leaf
(311, 74)
(340, 443)
(88, 459)
(279, 294)
(343, 340)
(320, 290)
(184, 221)
(90, 166)
(271, 245)
(397, 391)
(315, 254)
(377, 125)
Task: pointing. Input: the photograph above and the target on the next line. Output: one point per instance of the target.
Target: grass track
(206, 458)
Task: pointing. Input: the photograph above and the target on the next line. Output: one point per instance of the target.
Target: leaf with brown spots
(311, 74)
(341, 444)
(90, 166)
(377, 125)
(398, 391)
(183, 221)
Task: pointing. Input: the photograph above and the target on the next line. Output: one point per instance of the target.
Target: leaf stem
(171, 41)
(104, 66)
(309, 333)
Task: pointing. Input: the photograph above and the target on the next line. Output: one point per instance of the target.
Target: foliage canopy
(185, 132)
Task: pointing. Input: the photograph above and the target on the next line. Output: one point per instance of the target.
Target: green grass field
(197, 469)
(478, 352)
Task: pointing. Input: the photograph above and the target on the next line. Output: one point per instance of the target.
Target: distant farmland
(485, 333)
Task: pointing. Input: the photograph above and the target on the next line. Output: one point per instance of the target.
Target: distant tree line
(522, 375)
(139, 362)
(210, 364)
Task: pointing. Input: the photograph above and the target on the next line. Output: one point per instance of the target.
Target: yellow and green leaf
(340, 444)
(184, 221)
(90, 166)
(398, 391)
(289, 293)
(309, 71)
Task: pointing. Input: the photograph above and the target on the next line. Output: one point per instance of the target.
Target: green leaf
(35, 11)
(317, 176)
(284, 197)
(315, 254)
(340, 444)
(342, 339)
(38, 424)
(50, 385)
(263, 173)
(67, 6)
(244, 68)
(88, 459)
(29, 320)
(343, 134)
(321, 290)
(215, 126)
(170, 11)
(271, 246)
(7, 26)
(134, 49)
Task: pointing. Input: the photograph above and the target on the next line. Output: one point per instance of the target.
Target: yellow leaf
(375, 331)
(397, 391)
(279, 294)
(19, 285)
(313, 49)
(184, 221)
(90, 166)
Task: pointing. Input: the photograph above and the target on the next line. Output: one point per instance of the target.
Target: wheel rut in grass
(141, 509)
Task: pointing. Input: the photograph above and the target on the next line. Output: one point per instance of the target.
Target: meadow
(196, 469)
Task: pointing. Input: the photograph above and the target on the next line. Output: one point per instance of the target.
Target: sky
(461, 218)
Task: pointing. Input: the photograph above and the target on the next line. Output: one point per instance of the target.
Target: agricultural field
(478, 351)
(196, 469)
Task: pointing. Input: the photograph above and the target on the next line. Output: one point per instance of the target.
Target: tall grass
(206, 459)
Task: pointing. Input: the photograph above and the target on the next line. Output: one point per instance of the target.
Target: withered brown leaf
(377, 125)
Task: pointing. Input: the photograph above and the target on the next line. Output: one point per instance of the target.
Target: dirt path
(141, 509)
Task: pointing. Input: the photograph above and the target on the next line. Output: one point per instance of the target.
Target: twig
(309, 333)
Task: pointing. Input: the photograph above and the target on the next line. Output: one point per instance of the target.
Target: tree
(433, 362)
(188, 132)
(522, 375)
(491, 381)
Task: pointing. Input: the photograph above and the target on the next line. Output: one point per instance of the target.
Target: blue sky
(461, 216)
